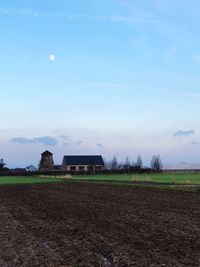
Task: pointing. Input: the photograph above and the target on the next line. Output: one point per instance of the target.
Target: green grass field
(169, 180)
(193, 178)
(11, 180)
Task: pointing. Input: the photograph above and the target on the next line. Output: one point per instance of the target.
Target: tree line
(29, 168)
(114, 165)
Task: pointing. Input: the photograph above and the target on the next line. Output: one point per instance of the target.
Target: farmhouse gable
(83, 163)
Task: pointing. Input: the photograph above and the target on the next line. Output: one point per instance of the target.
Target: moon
(52, 57)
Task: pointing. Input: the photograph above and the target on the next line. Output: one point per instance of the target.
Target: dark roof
(47, 153)
(83, 160)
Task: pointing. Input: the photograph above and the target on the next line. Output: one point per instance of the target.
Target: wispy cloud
(25, 12)
(22, 140)
(181, 133)
(79, 142)
(100, 145)
(44, 140)
(195, 143)
(47, 141)
(65, 140)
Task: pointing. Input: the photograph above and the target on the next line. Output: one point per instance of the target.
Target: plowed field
(84, 224)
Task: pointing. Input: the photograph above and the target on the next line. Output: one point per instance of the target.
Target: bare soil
(98, 225)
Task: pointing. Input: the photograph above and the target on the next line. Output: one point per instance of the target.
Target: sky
(109, 77)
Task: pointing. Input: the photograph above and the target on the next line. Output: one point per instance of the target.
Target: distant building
(58, 167)
(83, 163)
(19, 170)
(46, 162)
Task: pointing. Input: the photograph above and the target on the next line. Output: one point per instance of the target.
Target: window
(98, 168)
(90, 168)
(72, 168)
(81, 168)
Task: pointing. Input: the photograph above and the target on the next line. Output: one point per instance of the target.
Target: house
(83, 163)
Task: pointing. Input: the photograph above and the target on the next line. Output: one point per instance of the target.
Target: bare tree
(156, 163)
(127, 163)
(114, 163)
(2, 164)
(120, 166)
(139, 163)
(106, 163)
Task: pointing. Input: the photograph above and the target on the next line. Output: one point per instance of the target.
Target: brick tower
(46, 162)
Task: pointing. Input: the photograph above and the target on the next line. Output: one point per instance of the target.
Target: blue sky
(125, 79)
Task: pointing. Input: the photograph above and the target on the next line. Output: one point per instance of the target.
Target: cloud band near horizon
(181, 133)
